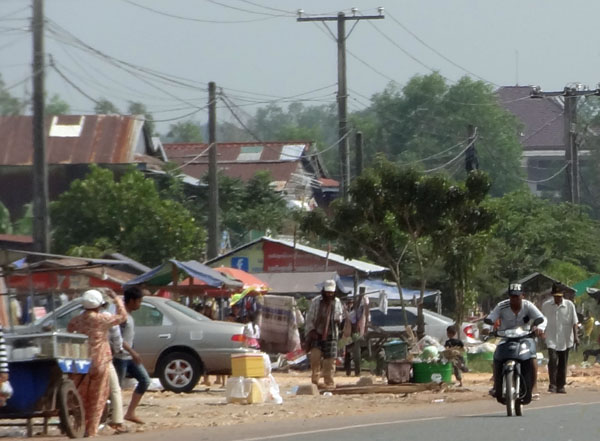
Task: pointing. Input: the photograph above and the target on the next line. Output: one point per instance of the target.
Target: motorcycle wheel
(518, 405)
(509, 393)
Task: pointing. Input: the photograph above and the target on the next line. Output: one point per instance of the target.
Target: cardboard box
(248, 365)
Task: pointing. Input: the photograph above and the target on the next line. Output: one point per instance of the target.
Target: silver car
(176, 343)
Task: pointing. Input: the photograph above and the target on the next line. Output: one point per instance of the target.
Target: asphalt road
(574, 416)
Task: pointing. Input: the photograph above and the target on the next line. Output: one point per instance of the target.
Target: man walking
(561, 335)
(322, 330)
(127, 360)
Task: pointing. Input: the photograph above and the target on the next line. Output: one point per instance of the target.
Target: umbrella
(250, 282)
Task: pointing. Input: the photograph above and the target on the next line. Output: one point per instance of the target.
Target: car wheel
(179, 372)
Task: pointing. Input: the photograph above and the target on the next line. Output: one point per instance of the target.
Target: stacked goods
(251, 380)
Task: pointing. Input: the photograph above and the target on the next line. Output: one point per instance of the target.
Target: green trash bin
(432, 372)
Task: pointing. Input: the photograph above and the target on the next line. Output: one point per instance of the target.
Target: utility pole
(471, 161)
(213, 182)
(571, 192)
(41, 224)
(342, 94)
(359, 153)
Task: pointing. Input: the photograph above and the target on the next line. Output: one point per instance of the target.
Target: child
(455, 347)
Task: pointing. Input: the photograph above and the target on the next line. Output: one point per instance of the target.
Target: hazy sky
(258, 52)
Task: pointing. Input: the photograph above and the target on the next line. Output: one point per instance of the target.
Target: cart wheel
(70, 407)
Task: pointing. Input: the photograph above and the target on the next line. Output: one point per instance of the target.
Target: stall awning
(162, 275)
(374, 288)
(250, 281)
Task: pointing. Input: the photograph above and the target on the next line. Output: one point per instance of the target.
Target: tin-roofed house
(295, 169)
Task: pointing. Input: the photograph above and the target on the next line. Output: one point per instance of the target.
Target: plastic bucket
(432, 372)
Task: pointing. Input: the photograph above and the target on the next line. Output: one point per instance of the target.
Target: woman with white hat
(94, 388)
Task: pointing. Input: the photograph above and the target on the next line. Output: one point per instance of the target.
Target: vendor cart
(41, 371)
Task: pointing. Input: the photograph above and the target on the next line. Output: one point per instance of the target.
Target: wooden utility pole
(41, 223)
(571, 149)
(342, 95)
(213, 182)
(571, 191)
(359, 153)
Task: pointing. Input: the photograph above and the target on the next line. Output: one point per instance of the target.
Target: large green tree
(105, 107)
(137, 108)
(427, 116)
(9, 105)
(57, 106)
(185, 131)
(100, 213)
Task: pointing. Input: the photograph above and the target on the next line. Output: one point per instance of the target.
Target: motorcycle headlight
(524, 349)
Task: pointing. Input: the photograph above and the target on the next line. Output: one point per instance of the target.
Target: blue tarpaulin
(162, 275)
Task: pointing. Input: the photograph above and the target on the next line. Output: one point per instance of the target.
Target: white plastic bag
(236, 390)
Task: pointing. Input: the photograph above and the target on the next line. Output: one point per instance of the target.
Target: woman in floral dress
(94, 387)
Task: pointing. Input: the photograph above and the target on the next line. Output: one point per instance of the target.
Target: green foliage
(57, 106)
(137, 108)
(245, 207)
(9, 105)
(24, 225)
(105, 107)
(5, 225)
(185, 131)
(427, 116)
(128, 216)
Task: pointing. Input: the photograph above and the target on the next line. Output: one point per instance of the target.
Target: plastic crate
(395, 350)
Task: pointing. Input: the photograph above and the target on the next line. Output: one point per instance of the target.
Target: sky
(164, 52)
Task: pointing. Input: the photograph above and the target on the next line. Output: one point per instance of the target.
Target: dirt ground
(207, 406)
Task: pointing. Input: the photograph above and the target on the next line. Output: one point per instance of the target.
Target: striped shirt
(3, 354)
(508, 319)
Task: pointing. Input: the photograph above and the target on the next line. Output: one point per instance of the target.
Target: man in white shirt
(561, 335)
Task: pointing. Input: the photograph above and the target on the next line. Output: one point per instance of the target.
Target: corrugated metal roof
(358, 265)
(72, 139)
(542, 118)
(243, 159)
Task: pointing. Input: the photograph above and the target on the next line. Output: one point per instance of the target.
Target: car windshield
(187, 311)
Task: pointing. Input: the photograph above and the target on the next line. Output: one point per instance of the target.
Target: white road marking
(338, 429)
(538, 408)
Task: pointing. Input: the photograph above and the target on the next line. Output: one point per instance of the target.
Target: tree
(137, 108)
(9, 105)
(99, 214)
(56, 106)
(105, 107)
(427, 117)
(5, 225)
(185, 131)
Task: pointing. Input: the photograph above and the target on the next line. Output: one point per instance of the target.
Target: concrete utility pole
(213, 182)
(358, 145)
(342, 94)
(41, 223)
(570, 94)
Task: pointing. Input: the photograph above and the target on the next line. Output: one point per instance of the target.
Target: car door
(154, 331)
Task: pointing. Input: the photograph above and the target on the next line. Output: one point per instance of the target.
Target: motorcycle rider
(511, 313)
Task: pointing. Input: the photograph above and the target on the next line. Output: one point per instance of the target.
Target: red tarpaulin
(249, 280)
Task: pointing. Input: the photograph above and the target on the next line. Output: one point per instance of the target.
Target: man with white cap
(561, 335)
(322, 329)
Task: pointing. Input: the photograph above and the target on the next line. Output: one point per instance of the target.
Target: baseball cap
(515, 289)
(329, 286)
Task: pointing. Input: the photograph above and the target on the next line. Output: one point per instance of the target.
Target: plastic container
(398, 372)
(432, 372)
(395, 350)
(249, 365)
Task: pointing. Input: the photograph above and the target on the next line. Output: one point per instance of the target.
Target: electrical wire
(229, 104)
(456, 157)
(435, 155)
(267, 7)
(435, 51)
(214, 2)
(550, 178)
(198, 20)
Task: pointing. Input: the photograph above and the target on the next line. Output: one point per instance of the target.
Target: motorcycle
(513, 376)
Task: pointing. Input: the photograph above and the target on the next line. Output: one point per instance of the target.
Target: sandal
(119, 428)
(135, 420)
(535, 397)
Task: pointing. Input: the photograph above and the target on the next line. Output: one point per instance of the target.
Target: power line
(214, 2)
(456, 157)
(437, 52)
(198, 20)
(550, 178)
